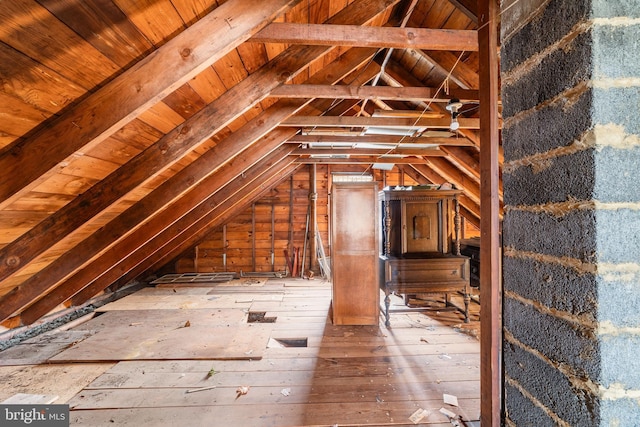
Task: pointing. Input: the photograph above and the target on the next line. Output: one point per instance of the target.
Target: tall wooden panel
(354, 253)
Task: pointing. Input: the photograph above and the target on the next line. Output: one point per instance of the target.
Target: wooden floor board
(170, 343)
(260, 395)
(284, 415)
(335, 378)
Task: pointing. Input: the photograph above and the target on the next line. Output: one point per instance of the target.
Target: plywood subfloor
(41, 348)
(168, 334)
(346, 375)
(64, 380)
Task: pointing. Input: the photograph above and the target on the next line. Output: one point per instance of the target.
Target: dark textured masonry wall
(571, 231)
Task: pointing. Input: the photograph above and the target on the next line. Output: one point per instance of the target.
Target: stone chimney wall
(571, 230)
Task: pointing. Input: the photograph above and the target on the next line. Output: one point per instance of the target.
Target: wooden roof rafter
(123, 263)
(66, 225)
(363, 10)
(175, 144)
(192, 237)
(88, 122)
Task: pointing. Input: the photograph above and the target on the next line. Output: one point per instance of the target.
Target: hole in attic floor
(292, 342)
(260, 317)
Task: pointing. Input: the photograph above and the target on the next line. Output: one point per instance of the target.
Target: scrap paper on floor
(450, 399)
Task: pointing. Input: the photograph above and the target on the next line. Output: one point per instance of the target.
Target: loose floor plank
(41, 348)
(181, 302)
(153, 334)
(63, 381)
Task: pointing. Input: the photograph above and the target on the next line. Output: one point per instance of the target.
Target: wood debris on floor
(223, 370)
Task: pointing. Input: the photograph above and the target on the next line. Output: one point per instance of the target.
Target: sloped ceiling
(131, 128)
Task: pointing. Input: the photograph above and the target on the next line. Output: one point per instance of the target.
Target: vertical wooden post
(290, 245)
(313, 199)
(253, 237)
(224, 247)
(490, 278)
(273, 236)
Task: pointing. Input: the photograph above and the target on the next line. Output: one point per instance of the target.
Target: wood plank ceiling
(131, 128)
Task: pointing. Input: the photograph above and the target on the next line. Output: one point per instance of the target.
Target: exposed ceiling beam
(456, 177)
(178, 212)
(379, 122)
(379, 139)
(362, 160)
(399, 76)
(405, 151)
(151, 161)
(118, 102)
(426, 94)
(464, 161)
(380, 37)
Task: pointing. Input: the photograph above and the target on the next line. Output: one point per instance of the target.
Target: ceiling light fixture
(454, 106)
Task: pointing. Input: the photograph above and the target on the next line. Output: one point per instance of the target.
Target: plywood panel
(63, 381)
(181, 302)
(170, 334)
(41, 348)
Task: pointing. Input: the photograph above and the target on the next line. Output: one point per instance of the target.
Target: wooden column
(253, 237)
(456, 222)
(313, 229)
(490, 280)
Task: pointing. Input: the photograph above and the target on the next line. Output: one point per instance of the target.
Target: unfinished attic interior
(291, 212)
